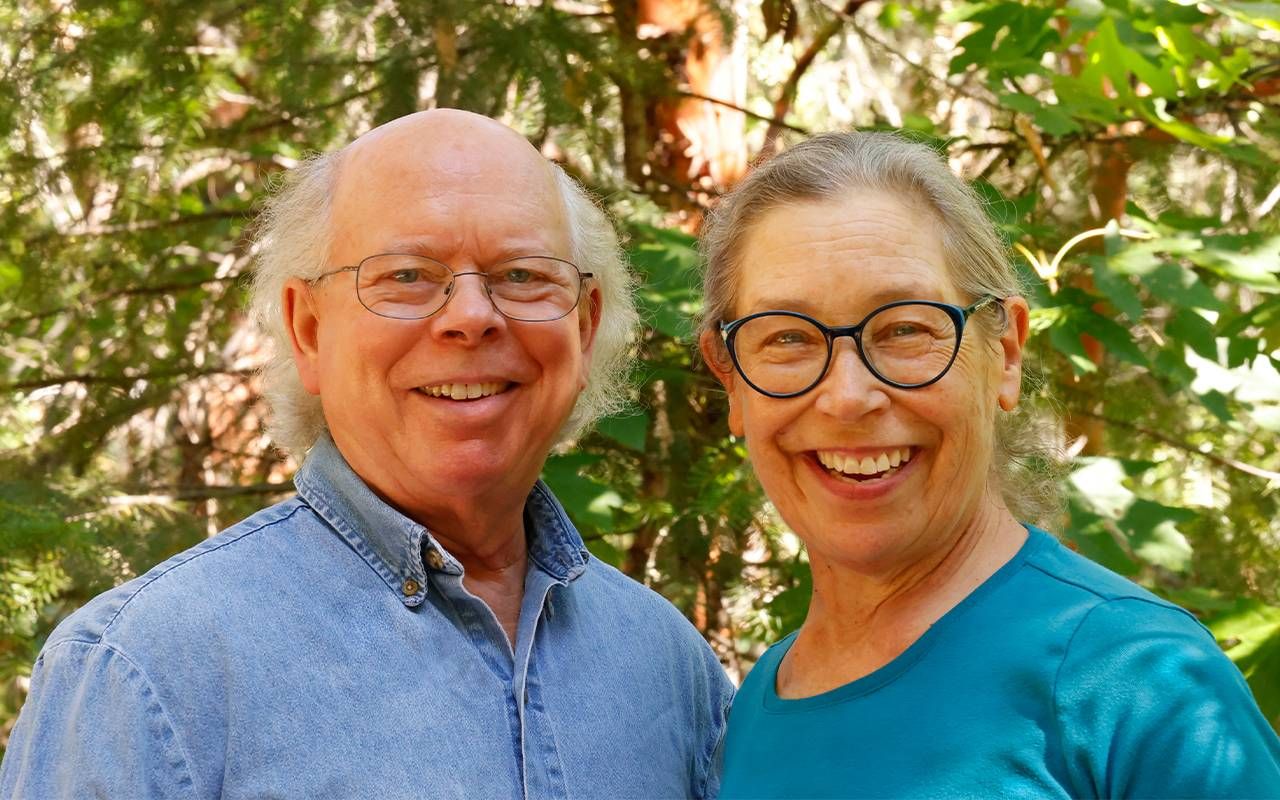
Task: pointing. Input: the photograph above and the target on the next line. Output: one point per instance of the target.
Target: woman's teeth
(866, 466)
(464, 391)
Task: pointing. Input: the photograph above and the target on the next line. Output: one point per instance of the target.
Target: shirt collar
(395, 546)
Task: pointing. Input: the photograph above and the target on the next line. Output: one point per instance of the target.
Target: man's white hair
(293, 235)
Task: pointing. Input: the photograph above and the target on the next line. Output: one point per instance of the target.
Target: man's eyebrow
(415, 245)
(431, 247)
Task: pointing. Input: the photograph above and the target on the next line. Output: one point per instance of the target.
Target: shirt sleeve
(709, 763)
(1149, 706)
(93, 726)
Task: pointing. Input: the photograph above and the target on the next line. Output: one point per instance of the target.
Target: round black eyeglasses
(407, 286)
(908, 344)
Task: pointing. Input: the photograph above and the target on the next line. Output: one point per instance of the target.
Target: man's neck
(494, 555)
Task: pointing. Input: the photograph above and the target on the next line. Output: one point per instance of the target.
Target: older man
(422, 620)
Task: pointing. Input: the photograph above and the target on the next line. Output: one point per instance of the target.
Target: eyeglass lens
(907, 344)
(412, 287)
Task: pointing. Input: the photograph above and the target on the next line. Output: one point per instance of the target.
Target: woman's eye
(789, 337)
(904, 329)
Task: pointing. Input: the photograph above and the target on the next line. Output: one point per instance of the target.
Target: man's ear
(1012, 342)
(589, 318)
(716, 355)
(302, 321)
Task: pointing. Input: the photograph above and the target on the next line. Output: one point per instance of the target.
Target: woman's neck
(860, 621)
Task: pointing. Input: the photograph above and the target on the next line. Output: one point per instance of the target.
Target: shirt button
(410, 587)
(434, 559)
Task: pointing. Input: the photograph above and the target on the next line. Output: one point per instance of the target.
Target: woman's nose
(849, 390)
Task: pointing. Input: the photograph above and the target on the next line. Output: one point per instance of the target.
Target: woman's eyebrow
(877, 298)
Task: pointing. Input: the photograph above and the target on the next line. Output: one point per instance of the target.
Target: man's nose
(849, 390)
(468, 313)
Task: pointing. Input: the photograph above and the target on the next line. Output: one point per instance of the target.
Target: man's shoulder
(616, 587)
(619, 599)
(183, 585)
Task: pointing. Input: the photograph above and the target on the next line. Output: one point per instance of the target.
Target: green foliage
(140, 136)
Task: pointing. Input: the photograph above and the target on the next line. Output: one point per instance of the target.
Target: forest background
(1129, 151)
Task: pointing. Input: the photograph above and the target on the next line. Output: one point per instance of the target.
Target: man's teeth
(852, 465)
(464, 391)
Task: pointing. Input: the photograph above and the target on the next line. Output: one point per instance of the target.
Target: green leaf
(1195, 331)
(1115, 337)
(1088, 534)
(1020, 102)
(1247, 260)
(1180, 287)
(1262, 14)
(589, 502)
(628, 429)
(1100, 485)
(1216, 402)
(1241, 350)
(1250, 634)
(1264, 315)
(1117, 288)
(1054, 120)
(1171, 364)
(1065, 338)
(1153, 535)
(10, 276)
(602, 549)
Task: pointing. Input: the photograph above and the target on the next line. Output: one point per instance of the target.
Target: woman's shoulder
(1092, 584)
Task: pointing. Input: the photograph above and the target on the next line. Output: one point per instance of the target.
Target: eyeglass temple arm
(982, 302)
(324, 275)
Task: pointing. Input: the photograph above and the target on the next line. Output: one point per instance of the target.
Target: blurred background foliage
(1128, 150)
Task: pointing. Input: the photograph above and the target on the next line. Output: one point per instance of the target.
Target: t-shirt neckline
(890, 672)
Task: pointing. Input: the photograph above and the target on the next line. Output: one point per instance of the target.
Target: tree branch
(748, 112)
(144, 225)
(787, 96)
(157, 495)
(135, 291)
(920, 69)
(1222, 461)
(117, 380)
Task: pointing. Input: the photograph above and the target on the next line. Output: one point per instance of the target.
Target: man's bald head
(437, 155)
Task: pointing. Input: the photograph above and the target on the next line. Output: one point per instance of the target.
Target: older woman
(869, 332)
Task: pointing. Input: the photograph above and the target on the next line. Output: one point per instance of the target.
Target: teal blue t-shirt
(1055, 678)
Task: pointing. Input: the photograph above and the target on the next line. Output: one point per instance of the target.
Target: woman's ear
(716, 355)
(302, 322)
(1012, 342)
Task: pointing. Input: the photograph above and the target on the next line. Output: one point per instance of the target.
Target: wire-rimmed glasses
(907, 344)
(409, 286)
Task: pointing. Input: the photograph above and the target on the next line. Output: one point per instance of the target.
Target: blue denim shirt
(326, 647)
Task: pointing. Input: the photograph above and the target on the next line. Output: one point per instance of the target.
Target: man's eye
(406, 276)
(517, 276)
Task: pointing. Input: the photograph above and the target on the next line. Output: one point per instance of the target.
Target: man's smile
(465, 391)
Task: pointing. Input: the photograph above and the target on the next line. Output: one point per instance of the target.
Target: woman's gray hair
(837, 165)
(292, 238)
